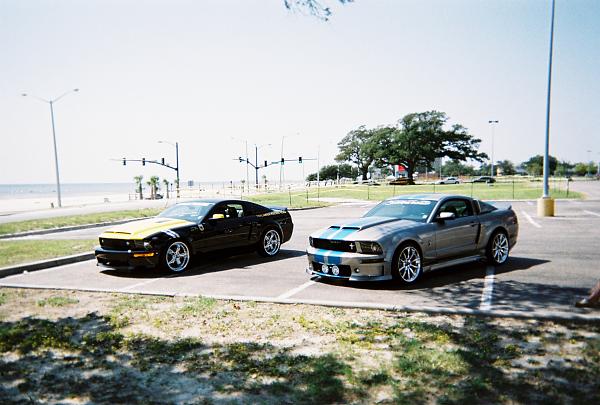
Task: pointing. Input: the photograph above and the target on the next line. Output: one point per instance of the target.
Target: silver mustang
(404, 236)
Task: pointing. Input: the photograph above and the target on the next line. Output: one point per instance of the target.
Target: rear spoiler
(501, 205)
(276, 208)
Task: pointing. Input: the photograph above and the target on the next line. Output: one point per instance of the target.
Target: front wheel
(407, 266)
(498, 248)
(176, 257)
(269, 243)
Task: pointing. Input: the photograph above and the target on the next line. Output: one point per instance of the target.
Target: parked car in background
(404, 236)
(484, 179)
(172, 238)
(448, 180)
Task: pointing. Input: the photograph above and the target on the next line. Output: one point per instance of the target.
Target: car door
(456, 237)
(224, 227)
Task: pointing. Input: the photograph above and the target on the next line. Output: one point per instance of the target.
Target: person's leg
(593, 299)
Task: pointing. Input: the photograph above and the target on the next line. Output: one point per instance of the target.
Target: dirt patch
(78, 347)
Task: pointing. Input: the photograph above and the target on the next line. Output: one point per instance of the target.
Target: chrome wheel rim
(409, 264)
(500, 248)
(271, 242)
(178, 256)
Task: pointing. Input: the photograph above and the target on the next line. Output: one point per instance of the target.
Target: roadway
(554, 263)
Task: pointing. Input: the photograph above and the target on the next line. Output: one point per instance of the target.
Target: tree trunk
(409, 173)
(141, 193)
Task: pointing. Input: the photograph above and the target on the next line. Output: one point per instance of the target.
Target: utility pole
(492, 124)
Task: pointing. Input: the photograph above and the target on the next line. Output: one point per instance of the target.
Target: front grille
(345, 270)
(336, 245)
(116, 244)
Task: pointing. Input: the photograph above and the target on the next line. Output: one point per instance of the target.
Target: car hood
(366, 228)
(143, 228)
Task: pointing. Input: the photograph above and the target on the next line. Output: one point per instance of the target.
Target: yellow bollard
(545, 207)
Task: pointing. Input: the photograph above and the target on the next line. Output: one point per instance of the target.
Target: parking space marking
(531, 221)
(296, 290)
(591, 213)
(64, 266)
(152, 280)
(488, 289)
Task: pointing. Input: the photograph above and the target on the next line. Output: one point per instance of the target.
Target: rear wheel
(269, 244)
(407, 266)
(176, 257)
(498, 248)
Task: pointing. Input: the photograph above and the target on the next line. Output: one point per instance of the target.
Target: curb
(68, 228)
(44, 264)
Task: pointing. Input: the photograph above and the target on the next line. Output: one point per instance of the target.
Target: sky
(214, 75)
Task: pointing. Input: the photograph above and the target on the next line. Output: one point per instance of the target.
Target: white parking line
(152, 280)
(488, 289)
(591, 213)
(526, 215)
(296, 290)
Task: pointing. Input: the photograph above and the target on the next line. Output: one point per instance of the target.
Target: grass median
(60, 346)
(14, 252)
(496, 191)
(71, 220)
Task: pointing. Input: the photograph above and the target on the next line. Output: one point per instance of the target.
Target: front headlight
(370, 248)
(147, 245)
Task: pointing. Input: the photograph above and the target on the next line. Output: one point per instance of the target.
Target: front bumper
(353, 266)
(126, 260)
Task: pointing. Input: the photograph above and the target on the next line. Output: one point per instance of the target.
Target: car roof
(430, 196)
(209, 200)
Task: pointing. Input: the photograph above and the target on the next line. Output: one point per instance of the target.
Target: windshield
(192, 211)
(415, 210)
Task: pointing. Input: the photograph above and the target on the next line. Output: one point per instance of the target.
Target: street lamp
(492, 124)
(176, 145)
(545, 207)
(256, 148)
(51, 102)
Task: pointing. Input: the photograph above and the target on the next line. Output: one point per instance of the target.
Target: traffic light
(124, 162)
(240, 158)
(300, 159)
(266, 164)
(162, 161)
(143, 161)
(282, 161)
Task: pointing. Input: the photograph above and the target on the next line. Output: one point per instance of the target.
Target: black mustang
(175, 235)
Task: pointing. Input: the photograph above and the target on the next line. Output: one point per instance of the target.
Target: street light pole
(51, 103)
(492, 122)
(546, 203)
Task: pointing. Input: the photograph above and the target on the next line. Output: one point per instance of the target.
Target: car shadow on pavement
(210, 263)
(445, 277)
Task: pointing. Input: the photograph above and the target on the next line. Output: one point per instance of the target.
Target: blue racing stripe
(328, 256)
(328, 232)
(341, 234)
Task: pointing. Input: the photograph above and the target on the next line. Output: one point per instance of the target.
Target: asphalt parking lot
(554, 263)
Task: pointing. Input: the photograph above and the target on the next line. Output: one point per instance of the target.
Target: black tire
(176, 257)
(498, 248)
(269, 243)
(407, 266)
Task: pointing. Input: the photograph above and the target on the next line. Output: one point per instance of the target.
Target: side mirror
(217, 216)
(444, 216)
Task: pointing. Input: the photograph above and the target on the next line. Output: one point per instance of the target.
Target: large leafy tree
(331, 172)
(316, 8)
(359, 148)
(419, 138)
(506, 167)
(457, 168)
(535, 165)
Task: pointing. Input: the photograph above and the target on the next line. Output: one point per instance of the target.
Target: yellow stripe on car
(138, 230)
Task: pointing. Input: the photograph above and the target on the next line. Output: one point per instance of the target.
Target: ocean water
(16, 191)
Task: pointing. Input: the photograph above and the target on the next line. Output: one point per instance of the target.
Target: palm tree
(138, 185)
(166, 183)
(153, 183)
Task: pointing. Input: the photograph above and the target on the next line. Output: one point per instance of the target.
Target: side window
(460, 208)
(228, 211)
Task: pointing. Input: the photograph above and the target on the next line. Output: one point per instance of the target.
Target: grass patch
(24, 251)
(322, 356)
(72, 220)
(521, 190)
(57, 301)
